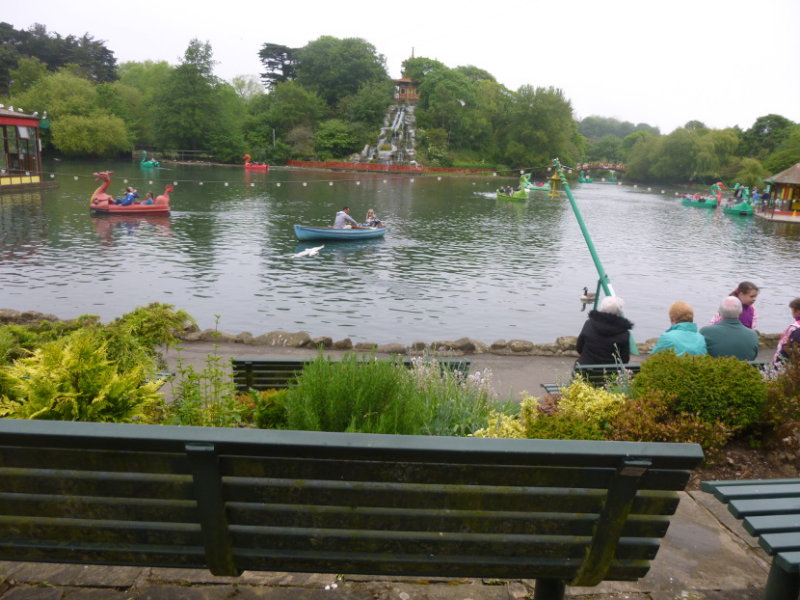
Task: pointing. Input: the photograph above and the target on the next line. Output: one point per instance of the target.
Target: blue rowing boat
(305, 233)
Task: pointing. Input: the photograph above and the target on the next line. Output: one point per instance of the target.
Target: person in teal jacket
(682, 337)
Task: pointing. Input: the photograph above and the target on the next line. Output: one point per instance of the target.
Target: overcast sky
(722, 62)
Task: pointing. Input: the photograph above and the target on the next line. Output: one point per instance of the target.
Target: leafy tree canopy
(335, 68)
(97, 62)
(766, 134)
(279, 64)
(418, 68)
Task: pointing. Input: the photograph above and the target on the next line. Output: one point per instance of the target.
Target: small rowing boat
(305, 233)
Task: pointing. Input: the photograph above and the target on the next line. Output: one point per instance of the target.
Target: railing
(383, 168)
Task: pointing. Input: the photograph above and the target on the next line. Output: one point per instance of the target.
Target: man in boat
(343, 219)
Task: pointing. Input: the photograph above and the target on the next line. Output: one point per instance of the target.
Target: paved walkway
(706, 555)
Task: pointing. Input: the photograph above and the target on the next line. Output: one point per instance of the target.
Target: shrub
(17, 341)
(650, 418)
(595, 405)
(144, 329)
(535, 421)
(72, 379)
(782, 404)
(380, 396)
(353, 395)
(203, 397)
(715, 389)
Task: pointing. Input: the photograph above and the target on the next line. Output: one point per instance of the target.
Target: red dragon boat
(103, 203)
(251, 166)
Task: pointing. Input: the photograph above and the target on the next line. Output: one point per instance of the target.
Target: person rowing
(343, 220)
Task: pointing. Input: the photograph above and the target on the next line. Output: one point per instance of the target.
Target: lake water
(455, 261)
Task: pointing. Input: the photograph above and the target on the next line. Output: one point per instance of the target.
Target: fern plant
(72, 379)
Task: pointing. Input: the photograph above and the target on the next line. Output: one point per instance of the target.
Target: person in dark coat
(605, 337)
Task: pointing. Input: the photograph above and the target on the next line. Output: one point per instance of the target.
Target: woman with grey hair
(605, 337)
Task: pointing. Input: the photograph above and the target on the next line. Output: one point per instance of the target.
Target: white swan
(588, 296)
(311, 252)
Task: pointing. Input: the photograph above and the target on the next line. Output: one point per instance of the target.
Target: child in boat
(148, 198)
(372, 220)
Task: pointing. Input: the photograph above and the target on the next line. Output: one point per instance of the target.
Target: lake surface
(455, 261)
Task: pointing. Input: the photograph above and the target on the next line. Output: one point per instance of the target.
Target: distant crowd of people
(605, 337)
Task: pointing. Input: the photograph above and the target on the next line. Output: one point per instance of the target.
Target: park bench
(594, 374)
(770, 510)
(272, 373)
(598, 374)
(228, 500)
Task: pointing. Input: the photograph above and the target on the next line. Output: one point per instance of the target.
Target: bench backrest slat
(238, 499)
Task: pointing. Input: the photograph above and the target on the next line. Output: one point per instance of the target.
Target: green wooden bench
(228, 500)
(272, 373)
(770, 510)
(599, 374)
(594, 374)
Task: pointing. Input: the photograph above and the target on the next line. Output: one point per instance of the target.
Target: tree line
(327, 99)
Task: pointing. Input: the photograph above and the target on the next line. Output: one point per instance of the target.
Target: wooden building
(406, 91)
(20, 152)
(786, 188)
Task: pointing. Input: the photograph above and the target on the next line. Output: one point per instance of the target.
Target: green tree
(540, 126)
(418, 68)
(368, 105)
(96, 135)
(30, 71)
(641, 155)
(595, 127)
(187, 104)
(335, 139)
(60, 94)
(247, 87)
(715, 152)
(676, 158)
(786, 154)
(766, 134)
(750, 172)
(335, 68)
(148, 78)
(606, 149)
(475, 74)
(279, 64)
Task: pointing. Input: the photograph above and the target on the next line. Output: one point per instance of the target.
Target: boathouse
(21, 152)
(786, 188)
(406, 91)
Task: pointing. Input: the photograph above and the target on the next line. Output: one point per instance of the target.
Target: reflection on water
(456, 261)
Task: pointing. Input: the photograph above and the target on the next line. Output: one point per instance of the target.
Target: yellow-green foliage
(72, 380)
(501, 425)
(596, 405)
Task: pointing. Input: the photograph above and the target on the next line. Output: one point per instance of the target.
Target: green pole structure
(603, 281)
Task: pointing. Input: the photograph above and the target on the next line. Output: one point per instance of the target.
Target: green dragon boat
(699, 201)
(744, 209)
(511, 194)
(531, 186)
